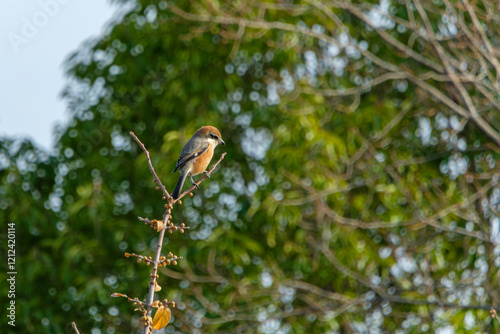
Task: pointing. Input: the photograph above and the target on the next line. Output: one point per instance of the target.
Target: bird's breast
(201, 162)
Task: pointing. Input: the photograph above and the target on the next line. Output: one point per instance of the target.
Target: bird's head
(211, 134)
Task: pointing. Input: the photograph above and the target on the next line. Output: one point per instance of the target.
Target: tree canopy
(359, 193)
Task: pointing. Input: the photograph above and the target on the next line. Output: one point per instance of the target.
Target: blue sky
(35, 39)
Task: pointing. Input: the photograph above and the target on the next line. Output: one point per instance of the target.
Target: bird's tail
(178, 187)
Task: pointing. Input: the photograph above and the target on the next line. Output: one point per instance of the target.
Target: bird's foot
(206, 173)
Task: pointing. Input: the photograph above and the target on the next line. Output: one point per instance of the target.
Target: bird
(196, 155)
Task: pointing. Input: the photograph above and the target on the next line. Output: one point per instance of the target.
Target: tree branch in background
(454, 74)
(470, 110)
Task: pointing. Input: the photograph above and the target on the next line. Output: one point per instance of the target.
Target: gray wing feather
(188, 156)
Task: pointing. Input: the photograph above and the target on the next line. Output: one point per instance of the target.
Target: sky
(35, 39)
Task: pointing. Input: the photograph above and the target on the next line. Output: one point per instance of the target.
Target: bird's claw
(206, 173)
(197, 186)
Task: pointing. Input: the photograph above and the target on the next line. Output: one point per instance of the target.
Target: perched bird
(196, 155)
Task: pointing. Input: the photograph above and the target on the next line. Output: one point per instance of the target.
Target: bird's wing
(186, 157)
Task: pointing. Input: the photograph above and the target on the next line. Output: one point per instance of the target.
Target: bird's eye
(213, 136)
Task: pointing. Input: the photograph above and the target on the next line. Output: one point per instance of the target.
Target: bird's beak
(221, 142)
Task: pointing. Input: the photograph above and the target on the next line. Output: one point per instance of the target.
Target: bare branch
(431, 220)
(151, 168)
(73, 324)
(476, 117)
(471, 111)
(320, 292)
(386, 36)
(490, 56)
(380, 291)
(354, 90)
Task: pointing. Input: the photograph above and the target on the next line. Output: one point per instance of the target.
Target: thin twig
(75, 328)
(157, 180)
(133, 300)
(494, 314)
(310, 288)
(154, 224)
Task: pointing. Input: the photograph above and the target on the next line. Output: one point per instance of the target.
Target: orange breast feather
(200, 163)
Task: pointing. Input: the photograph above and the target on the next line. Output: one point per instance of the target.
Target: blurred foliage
(332, 212)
